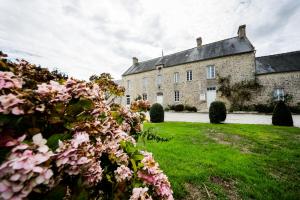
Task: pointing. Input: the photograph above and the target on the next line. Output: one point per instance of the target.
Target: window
(211, 88)
(211, 72)
(145, 96)
(159, 80)
(145, 83)
(189, 75)
(128, 85)
(176, 77)
(176, 96)
(127, 99)
(279, 94)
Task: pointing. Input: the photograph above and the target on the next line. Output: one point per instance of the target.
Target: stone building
(190, 76)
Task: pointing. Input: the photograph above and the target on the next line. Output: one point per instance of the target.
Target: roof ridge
(189, 49)
(280, 54)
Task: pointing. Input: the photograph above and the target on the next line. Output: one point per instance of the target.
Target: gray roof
(285, 62)
(221, 48)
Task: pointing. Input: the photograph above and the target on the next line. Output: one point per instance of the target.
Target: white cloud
(82, 37)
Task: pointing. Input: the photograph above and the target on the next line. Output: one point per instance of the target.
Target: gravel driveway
(231, 118)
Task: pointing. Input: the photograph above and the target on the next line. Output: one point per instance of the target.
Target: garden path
(231, 118)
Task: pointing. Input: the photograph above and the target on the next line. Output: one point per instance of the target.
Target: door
(159, 99)
(211, 95)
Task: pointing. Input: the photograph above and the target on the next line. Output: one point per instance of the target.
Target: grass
(229, 161)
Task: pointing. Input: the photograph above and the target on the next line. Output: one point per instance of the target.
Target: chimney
(199, 42)
(135, 61)
(242, 31)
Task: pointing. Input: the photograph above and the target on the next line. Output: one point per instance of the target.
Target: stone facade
(242, 66)
(288, 81)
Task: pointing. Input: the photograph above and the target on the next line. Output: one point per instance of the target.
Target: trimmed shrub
(179, 107)
(190, 108)
(172, 107)
(282, 115)
(194, 109)
(295, 109)
(217, 112)
(157, 113)
(264, 108)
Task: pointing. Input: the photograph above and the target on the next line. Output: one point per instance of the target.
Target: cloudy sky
(85, 37)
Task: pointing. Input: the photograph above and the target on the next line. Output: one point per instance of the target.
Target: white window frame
(176, 77)
(176, 96)
(145, 82)
(145, 96)
(189, 75)
(128, 100)
(159, 80)
(128, 85)
(279, 94)
(211, 72)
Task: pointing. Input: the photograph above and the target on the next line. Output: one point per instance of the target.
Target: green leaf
(138, 157)
(3, 153)
(133, 165)
(52, 141)
(85, 103)
(83, 195)
(58, 192)
(108, 177)
(59, 107)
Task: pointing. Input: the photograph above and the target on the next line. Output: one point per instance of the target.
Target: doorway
(211, 95)
(160, 98)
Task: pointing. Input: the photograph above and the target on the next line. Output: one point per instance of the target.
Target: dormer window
(159, 67)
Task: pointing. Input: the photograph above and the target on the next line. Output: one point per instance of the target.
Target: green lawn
(229, 161)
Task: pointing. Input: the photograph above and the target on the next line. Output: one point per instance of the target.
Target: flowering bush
(60, 138)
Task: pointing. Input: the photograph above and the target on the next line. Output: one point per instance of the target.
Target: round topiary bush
(282, 115)
(179, 107)
(157, 113)
(217, 112)
(194, 109)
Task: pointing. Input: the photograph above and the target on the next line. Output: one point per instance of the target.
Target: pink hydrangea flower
(9, 80)
(10, 104)
(123, 173)
(25, 169)
(140, 194)
(79, 138)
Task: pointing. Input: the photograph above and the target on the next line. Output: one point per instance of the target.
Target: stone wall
(240, 67)
(288, 81)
